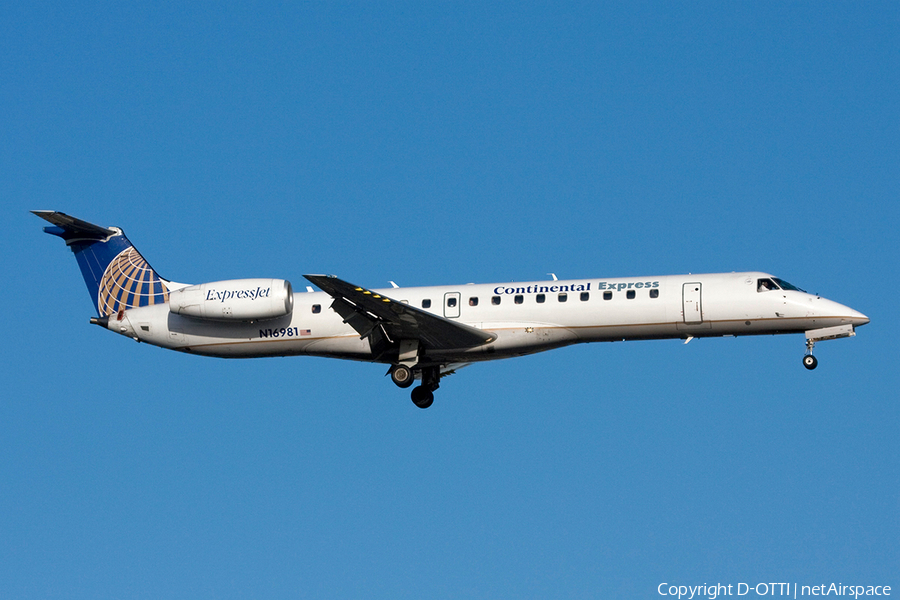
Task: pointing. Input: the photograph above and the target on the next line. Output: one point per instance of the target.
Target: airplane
(426, 333)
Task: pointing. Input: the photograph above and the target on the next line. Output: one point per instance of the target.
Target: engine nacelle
(234, 300)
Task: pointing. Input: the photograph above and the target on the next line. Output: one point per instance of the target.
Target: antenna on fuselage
(553, 275)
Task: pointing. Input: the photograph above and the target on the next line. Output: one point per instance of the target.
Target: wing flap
(365, 310)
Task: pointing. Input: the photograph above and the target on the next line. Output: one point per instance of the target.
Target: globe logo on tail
(128, 282)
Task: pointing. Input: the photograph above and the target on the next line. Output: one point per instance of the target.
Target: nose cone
(857, 318)
(846, 314)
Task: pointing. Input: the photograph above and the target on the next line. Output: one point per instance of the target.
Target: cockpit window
(787, 286)
(765, 285)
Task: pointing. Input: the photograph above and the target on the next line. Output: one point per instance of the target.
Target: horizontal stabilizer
(70, 228)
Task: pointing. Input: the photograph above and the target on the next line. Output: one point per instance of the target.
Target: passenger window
(563, 297)
(426, 303)
(495, 300)
(607, 295)
(654, 293)
(317, 308)
(630, 294)
(540, 298)
(473, 301)
(451, 302)
(519, 299)
(585, 296)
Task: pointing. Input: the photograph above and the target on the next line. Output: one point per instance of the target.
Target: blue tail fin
(116, 274)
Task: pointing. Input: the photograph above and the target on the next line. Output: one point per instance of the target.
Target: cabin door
(693, 310)
(451, 305)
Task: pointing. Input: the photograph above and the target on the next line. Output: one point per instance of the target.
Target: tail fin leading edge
(117, 276)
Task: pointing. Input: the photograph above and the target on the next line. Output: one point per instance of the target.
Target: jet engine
(234, 300)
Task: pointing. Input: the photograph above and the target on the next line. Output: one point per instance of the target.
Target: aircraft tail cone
(101, 321)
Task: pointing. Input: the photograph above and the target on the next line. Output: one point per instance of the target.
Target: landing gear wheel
(810, 362)
(422, 397)
(402, 376)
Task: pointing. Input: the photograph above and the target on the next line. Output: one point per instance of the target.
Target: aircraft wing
(366, 311)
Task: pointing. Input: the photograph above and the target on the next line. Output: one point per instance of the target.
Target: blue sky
(447, 143)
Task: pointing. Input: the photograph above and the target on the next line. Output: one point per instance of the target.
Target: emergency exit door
(692, 307)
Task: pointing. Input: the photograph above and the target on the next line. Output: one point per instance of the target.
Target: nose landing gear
(809, 361)
(820, 335)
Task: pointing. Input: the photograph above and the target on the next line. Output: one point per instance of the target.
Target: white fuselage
(526, 317)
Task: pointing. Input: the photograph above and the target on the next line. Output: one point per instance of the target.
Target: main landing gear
(402, 376)
(422, 395)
